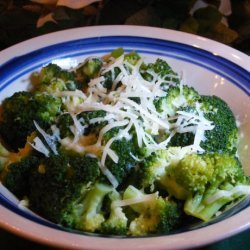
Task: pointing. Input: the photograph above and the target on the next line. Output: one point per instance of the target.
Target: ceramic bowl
(212, 68)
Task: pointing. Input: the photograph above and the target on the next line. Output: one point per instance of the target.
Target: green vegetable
(195, 178)
(52, 79)
(117, 221)
(21, 110)
(153, 167)
(162, 69)
(224, 136)
(60, 184)
(177, 97)
(17, 172)
(157, 215)
(125, 150)
(89, 70)
(120, 147)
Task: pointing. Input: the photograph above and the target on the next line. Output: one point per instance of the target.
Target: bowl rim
(216, 48)
(50, 236)
(66, 240)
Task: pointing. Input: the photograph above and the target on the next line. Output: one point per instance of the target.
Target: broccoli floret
(15, 168)
(87, 116)
(195, 178)
(126, 150)
(155, 215)
(17, 174)
(109, 78)
(186, 138)
(162, 69)
(91, 120)
(89, 70)
(21, 110)
(152, 168)
(59, 184)
(52, 79)
(116, 222)
(182, 139)
(49, 72)
(224, 136)
(190, 174)
(177, 97)
(64, 123)
(126, 162)
(130, 59)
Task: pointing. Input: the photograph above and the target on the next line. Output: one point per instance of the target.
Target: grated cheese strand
(39, 146)
(50, 139)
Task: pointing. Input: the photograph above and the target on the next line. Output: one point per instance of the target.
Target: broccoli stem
(92, 218)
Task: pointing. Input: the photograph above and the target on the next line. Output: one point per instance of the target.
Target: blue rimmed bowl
(210, 67)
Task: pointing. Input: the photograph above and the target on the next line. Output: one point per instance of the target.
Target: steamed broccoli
(197, 178)
(65, 190)
(17, 173)
(15, 168)
(152, 168)
(92, 67)
(85, 156)
(130, 58)
(224, 136)
(126, 149)
(21, 110)
(162, 69)
(52, 79)
(117, 221)
(64, 123)
(92, 216)
(154, 215)
(88, 119)
(89, 70)
(176, 98)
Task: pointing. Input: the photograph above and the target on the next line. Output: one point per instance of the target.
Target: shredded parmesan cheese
(129, 104)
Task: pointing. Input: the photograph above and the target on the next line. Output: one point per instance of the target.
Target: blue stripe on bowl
(19, 66)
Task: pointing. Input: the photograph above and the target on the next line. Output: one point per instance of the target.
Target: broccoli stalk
(154, 215)
(92, 218)
(116, 223)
